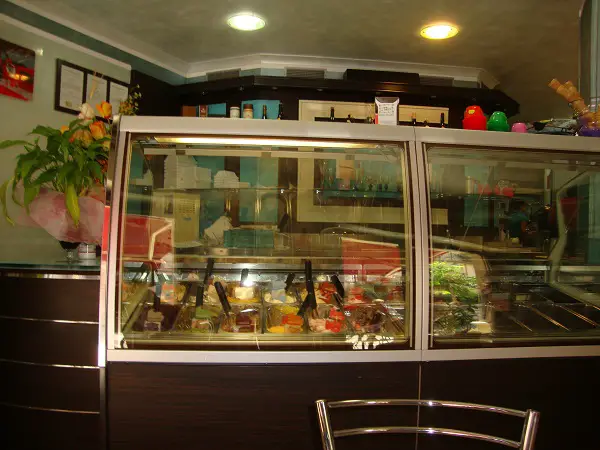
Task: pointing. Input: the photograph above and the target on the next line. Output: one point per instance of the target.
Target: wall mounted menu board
(76, 85)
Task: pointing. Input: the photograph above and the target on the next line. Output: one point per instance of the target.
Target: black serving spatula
(210, 264)
(310, 301)
(244, 276)
(338, 285)
(289, 280)
(157, 291)
(223, 298)
(310, 285)
(154, 316)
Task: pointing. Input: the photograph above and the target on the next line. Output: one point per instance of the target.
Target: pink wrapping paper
(49, 211)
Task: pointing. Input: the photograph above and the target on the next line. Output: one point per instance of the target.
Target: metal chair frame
(530, 417)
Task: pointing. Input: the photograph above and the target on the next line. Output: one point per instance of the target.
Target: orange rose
(83, 136)
(98, 130)
(64, 129)
(105, 109)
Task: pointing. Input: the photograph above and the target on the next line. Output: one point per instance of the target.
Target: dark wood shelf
(489, 99)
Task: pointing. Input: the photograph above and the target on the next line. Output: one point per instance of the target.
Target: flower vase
(70, 249)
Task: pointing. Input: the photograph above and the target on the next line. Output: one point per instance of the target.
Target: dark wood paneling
(158, 98)
(153, 406)
(562, 389)
(24, 429)
(50, 387)
(49, 342)
(489, 99)
(44, 298)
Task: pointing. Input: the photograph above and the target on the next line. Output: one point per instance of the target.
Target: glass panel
(515, 243)
(265, 244)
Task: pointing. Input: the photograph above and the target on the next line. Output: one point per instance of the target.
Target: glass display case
(261, 238)
(514, 257)
(229, 236)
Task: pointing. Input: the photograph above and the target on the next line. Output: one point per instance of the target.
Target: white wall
(17, 118)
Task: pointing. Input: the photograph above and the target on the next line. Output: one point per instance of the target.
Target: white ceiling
(523, 43)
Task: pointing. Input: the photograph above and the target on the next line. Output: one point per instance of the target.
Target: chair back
(328, 435)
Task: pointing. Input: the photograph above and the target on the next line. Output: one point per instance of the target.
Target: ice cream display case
(230, 237)
(514, 260)
(256, 236)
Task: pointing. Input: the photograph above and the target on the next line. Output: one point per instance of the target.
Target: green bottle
(498, 122)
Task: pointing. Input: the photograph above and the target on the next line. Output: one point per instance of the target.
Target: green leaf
(31, 192)
(13, 194)
(80, 159)
(72, 203)
(65, 152)
(46, 177)
(64, 172)
(45, 131)
(26, 167)
(53, 143)
(3, 192)
(7, 144)
(96, 170)
(75, 122)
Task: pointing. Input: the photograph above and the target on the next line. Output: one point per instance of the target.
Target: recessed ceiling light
(246, 22)
(439, 31)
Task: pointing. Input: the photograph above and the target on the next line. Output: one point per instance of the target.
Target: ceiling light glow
(439, 31)
(246, 22)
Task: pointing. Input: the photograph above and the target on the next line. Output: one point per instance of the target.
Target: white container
(86, 251)
(234, 112)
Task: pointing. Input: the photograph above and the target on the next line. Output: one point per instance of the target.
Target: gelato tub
(284, 319)
(204, 319)
(367, 318)
(161, 320)
(242, 319)
(242, 294)
(327, 319)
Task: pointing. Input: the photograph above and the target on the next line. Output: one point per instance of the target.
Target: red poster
(17, 71)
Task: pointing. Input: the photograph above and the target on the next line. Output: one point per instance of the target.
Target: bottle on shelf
(332, 114)
(413, 119)
(264, 114)
(426, 123)
(443, 120)
(248, 111)
(280, 113)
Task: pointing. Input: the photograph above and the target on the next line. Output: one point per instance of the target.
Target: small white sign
(386, 110)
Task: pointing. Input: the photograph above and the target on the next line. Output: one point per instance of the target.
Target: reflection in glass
(307, 243)
(514, 246)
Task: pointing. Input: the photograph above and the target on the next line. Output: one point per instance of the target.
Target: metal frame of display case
(318, 134)
(460, 139)
(415, 140)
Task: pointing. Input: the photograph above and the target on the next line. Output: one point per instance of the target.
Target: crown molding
(337, 65)
(134, 47)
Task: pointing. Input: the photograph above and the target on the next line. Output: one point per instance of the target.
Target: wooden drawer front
(48, 342)
(268, 406)
(26, 429)
(47, 298)
(50, 387)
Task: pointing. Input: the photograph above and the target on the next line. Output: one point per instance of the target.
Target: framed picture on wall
(17, 71)
(76, 85)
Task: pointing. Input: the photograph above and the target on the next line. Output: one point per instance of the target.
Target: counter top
(45, 266)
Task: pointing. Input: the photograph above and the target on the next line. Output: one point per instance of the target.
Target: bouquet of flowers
(60, 184)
